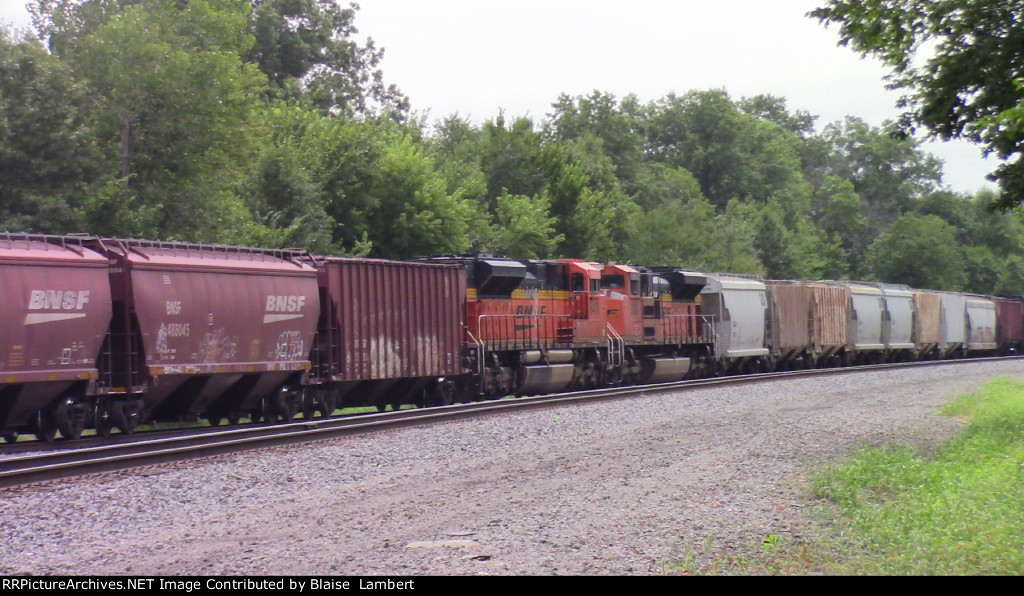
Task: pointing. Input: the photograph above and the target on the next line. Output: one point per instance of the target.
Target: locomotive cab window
(577, 283)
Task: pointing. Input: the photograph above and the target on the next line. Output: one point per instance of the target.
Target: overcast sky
(476, 57)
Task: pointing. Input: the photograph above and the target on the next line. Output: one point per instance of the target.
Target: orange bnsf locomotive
(547, 326)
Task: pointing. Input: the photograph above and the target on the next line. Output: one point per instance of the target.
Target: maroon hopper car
(1010, 321)
(207, 331)
(53, 318)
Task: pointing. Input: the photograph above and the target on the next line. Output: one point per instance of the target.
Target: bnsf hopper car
(204, 331)
(184, 331)
(53, 320)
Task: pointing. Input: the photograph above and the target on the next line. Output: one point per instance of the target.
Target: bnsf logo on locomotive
(284, 304)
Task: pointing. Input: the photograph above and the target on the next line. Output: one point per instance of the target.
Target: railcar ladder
(616, 347)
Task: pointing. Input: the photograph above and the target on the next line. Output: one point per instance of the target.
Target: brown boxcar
(1010, 322)
(830, 320)
(207, 331)
(809, 322)
(791, 312)
(390, 332)
(53, 319)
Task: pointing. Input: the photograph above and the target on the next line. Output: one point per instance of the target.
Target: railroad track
(76, 459)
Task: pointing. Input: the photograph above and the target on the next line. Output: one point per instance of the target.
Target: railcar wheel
(70, 419)
(11, 436)
(269, 412)
(234, 418)
(104, 421)
(308, 404)
(214, 419)
(127, 415)
(45, 428)
(291, 410)
(325, 404)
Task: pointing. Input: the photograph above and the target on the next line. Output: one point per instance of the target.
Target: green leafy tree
(287, 202)
(49, 161)
(456, 145)
(983, 269)
(732, 154)
(960, 63)
(602, 226)
(525, 229)
(173, 104)
(1011, 277)
(414, 215)
(378, 186)
(688, 233)
(620, 126)
(836, 208)
(307, 48)
(773, 109)
(659, 184)
(889, 173)
(514, 158)
(920, 251)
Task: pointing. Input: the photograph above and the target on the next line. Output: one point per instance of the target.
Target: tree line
(267, 123)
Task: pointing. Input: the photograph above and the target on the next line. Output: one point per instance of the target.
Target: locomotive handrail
(706, 321)
(525, 340)
(616, 347)
(480, 359)
(479, 344)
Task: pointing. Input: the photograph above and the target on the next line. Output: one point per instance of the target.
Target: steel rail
(57, 464)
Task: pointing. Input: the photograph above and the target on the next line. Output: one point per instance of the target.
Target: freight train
(106, 334)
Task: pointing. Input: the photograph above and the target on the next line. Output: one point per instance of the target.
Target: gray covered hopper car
(738, 307)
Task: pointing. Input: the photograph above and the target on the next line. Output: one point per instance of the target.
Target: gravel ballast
(632, 486)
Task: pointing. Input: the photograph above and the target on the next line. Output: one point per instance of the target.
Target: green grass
(895, 510)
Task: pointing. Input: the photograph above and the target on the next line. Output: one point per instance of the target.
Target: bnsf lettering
(285, 303)
(525, 311)
(58, 299)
